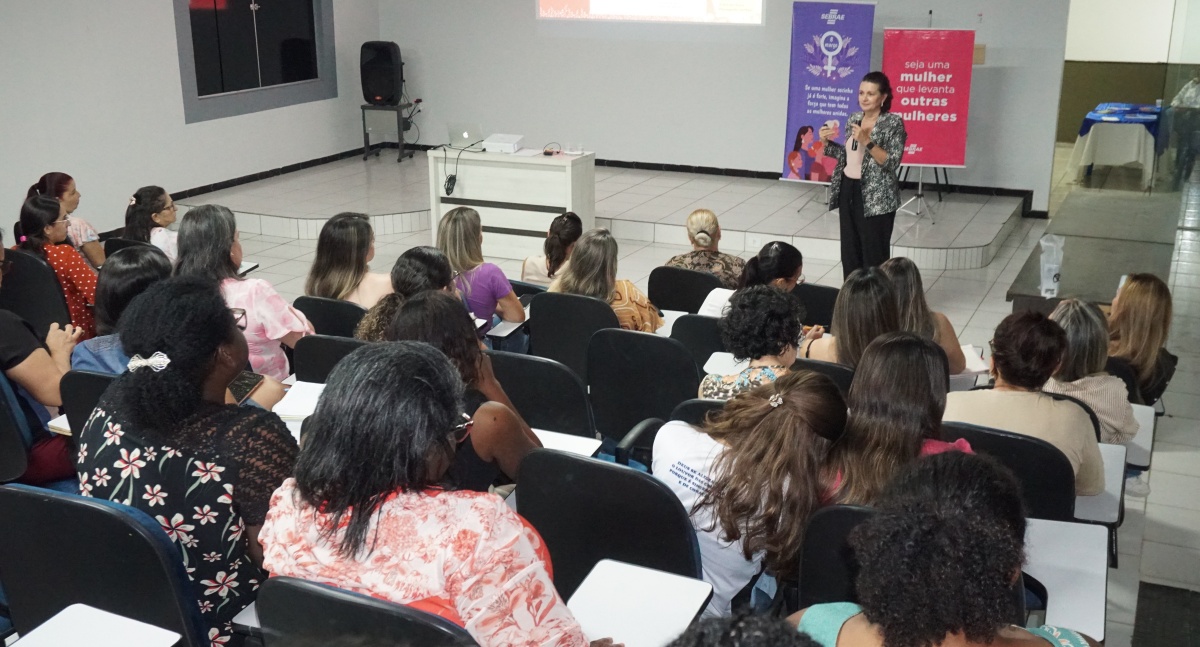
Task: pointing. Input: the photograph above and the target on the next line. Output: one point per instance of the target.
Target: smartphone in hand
(243, 385)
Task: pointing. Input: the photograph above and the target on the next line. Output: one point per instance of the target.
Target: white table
(1071, 560)
(637, 606)
(516, 195)
(1142, 444)
(246, 621)
(1112, 144)
(669, 319)
(1105, 507)
(80, 624)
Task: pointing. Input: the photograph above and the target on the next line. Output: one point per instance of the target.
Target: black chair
(1083, 405)
(587, 510)
(561, 325)
(637, 375)
(674, 288)
(316, 355)
(818, 303)
(1047, 480)
(293, 611)
(547, 394)
(525, 291)
(842, 376)
(15, 434)
(639, 442)
(700, 335)
(61, 549)
(331, 316)
(111, 233)
(81, 390)
(114, 245)
(32, 291)
(695, 411)
(827, 564)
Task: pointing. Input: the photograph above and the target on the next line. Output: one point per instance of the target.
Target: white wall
(708, 95)
(1120, 31)
(93, 89)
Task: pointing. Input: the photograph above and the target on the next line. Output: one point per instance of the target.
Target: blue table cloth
(1123, 113)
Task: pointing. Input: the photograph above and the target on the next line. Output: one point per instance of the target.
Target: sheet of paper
(637, 606)
(59, 425)
(567, 442)
(80, 624)
(246, 267)
(300, 401)
(975, 363)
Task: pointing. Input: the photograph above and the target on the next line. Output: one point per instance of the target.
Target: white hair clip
(157, 362)
(776, 400)
(132, 200)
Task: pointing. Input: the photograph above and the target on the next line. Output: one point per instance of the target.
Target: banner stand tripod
(919, 198)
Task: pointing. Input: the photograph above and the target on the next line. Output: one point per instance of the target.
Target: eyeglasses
(65, 220)
(800, 281)
(463, 429)
(239, 318)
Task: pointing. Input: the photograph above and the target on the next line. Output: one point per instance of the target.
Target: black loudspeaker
(382, 73)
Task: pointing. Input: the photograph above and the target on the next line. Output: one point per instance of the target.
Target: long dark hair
(341, 260)
(865, 309)
(206, 236)
(442, 321)
(144, 203)
(384, 424)
(915, 315)
(53, 184)
(37, 213)
(126, 274)
(186, 319)
(800, 137)
(564, 231)
(896, 403)
(885, 87)
(776, 260)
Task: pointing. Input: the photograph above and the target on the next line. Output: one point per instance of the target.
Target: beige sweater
(1060, 423)
(1108, 397)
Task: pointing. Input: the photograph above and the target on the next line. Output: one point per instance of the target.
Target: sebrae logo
(912, 148)
(832, 17)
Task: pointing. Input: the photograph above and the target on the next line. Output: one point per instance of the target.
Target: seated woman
(127, 274)
(484, 286)
(865, 309)
(705, 233)
(937, 564)
(742, 630)
(499, 438)
(344, 248)
(80, 233)
(371, 508)
(896, 405)
(565, 230)
(163, 440)
(1081, 374)
(1139, 325)
(915, 315)
(1026, 349)
(593, 273)
(761, 325)
(417, 270)
(151, 210)
(44, 223)
(209, 248)
(777, 264)
(36, 367)
(751, 477)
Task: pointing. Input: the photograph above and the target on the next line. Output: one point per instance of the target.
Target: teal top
(823, 623)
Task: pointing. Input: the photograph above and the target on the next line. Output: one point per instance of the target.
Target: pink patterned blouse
(461, 555)
(268, 319)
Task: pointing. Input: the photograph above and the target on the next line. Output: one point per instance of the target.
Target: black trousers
(866, 242)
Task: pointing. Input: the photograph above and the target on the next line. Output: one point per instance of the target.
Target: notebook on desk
(300, 401)
(637, 606)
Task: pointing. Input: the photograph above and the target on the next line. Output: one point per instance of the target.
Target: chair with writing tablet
(587, 510)
(547, 394)
(316, 355)
(700, 335)
(330, 316)
(293, 611)
(561, 325)
(60, 549)
(639, 442)
(32, 292)
(15, 435)
(81, 391)
(676, 288)
(114, 244)
(525, 291)
(842, 376)
(818, 303)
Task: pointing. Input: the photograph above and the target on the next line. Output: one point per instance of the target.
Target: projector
(502, 143)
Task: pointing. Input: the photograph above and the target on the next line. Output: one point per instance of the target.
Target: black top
(17, 342)
(469, 471)
(1153, 387)
(204, 485)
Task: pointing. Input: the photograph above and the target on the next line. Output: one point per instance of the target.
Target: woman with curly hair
(761, 326)
(417, 270)
(937, 565)
(750, 477)
(742, 630)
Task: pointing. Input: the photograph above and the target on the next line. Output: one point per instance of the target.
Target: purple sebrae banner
(831, 51)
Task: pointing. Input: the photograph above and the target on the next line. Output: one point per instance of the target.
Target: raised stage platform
(962, 232)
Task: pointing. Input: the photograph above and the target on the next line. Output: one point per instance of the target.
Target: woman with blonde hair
(339, 271)
(915, 315)
(484, 285)
(564, 231)
(593, 273)
(751, 477)
(1081, 373)
(704, 233)
(1138, 326)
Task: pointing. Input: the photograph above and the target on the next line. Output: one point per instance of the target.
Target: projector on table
(502, 143)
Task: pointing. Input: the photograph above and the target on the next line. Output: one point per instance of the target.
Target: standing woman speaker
(865, 187)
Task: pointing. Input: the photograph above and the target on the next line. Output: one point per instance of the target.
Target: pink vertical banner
(930, 72)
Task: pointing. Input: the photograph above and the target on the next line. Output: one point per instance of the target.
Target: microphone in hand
(854, 133)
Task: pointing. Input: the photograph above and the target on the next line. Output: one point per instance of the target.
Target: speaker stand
(399, 110)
